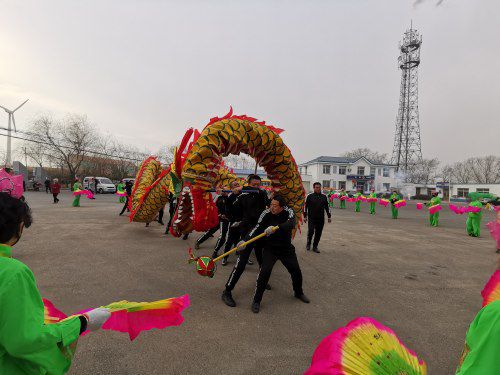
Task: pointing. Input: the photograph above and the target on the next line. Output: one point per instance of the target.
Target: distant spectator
(55, 188)
(47, 185)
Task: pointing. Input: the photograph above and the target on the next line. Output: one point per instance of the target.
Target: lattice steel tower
(407, 149)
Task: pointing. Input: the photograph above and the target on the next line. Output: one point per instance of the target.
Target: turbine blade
(6, 110)
(20, 105)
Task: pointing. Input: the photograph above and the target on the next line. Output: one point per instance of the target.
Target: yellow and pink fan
(131, 317)
(365, 347)
(491, 291)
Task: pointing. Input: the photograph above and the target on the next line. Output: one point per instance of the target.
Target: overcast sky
(325, 71)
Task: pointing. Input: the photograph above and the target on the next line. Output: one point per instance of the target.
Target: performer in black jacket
(128, 189)
(277, 246)
(316, 203)
(234, 216)
(223, 226)
(251, 204)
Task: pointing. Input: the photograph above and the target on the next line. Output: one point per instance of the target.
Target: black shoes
(268, 287)
(316, 250)
(196, 245)
(255, 307)
(249, 262)
(228, 299)
(161, 222)
(308, 247)
(214, 255)
(224, 261)
(303, 298)
(185, 237)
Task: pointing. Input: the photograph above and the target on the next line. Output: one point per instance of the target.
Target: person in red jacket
(55, 187)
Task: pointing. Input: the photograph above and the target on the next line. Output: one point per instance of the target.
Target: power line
(66, 147)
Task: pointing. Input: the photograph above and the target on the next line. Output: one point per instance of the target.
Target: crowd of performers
(30, 343)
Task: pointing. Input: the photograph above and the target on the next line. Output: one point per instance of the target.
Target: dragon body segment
(198, 168)
(233, 135)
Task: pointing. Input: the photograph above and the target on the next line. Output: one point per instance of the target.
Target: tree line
(475, 170)
(75, 147)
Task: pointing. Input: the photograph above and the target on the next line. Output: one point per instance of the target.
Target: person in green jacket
(394, 198)
(358, 201)
(342, 193)
(77, 186)
(373, 195)
(27, 344)
(473, 224)
(480, 354)
(435, 200)
(120, 188)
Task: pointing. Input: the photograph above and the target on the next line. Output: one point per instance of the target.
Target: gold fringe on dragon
(199, 168)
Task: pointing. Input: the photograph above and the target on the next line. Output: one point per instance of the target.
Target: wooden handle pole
(243, 245)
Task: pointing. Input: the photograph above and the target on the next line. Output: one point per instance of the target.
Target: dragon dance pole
(205, 266)
(243, 245)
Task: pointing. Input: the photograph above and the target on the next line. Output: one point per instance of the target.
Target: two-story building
(348, 173)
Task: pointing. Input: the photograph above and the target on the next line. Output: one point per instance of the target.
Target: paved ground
(422, 282)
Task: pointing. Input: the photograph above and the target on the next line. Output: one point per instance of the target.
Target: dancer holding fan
(27, 345)
(434, 215)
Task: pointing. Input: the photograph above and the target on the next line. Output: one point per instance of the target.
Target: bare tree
(373, 156)
(424, 172)
(68, 141)
(166, 153)
(479, 170)
(37, 152)
(241, 161)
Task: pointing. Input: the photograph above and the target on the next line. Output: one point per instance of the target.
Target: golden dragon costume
(200, 168)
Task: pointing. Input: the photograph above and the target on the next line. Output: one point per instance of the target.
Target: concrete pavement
(422, 282)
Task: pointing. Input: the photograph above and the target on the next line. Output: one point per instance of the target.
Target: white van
(104, 184)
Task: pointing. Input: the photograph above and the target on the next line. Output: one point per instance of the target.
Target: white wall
(493, 188)
(315, 173)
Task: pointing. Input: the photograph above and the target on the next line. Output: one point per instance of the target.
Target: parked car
(104, 184)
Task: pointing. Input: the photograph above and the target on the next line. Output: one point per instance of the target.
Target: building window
(483, 190)
(380, 171)
(386, 171)
(341, 184)
(334, 169)
(305, 169)
(326, 184)
(462, 192)
(387, 187)
(342, 169)
(361, 171)
(326, 169)
(379, 187)
(372, 171)
(334, 185)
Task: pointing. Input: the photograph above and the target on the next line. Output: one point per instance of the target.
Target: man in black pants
(316, 203)
(128, 190)
(277, 246)
(223, 226)
(251, 204)
(47, 185)
(234, 217)
(171, 210)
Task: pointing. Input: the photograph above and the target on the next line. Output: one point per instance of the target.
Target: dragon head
(195, 208)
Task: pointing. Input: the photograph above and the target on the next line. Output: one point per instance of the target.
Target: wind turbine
(12, 120)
